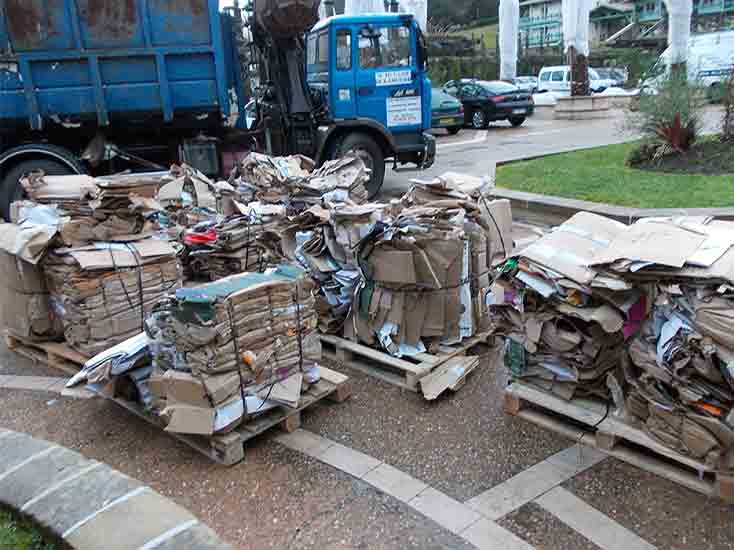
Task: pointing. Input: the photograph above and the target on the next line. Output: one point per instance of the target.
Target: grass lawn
(488, 34)
(600, 175)
(18, 534)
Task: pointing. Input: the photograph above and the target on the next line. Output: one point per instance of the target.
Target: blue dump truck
(101, 86)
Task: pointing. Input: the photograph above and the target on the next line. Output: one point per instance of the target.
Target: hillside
(488, 34)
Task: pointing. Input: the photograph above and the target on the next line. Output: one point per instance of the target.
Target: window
(499, 87)
(557, 76)
(451, 87)
(311, 49)
(545, 77)
(343, 49)
(317, 54)
(387, 47)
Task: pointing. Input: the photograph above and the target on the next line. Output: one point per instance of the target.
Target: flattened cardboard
(658, 243)
(189, 420)
(183, 388)
(393, 266)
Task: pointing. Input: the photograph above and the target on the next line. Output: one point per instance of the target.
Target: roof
(374, 18)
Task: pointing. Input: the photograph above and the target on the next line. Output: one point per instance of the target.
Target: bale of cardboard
(637, 315)
(427, 266)
(227, 350)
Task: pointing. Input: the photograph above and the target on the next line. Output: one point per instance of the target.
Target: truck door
(343, 101)
(388, 86)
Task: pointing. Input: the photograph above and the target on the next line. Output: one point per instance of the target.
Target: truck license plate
(518, 111)
(446, 120)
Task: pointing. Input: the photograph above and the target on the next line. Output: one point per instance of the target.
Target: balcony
(533, 22)
(714, 7)
(550, 39)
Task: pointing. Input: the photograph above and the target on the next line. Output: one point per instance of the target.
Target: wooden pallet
(54, 354)
(228, 449)
(407, 372)
(587, 421)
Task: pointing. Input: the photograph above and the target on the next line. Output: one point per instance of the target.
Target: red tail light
(461, 108)
(498, 98)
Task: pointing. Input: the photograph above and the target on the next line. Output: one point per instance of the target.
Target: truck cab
(370, 71)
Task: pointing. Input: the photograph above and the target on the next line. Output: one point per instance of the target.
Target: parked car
(611, 77)
(489, 100)
(558, 79)
(446, 112)
(526, 83)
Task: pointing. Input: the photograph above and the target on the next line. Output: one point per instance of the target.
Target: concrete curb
(90, 505)
(552, 210)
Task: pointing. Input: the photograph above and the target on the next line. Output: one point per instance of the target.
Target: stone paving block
(79, 498)
(129, 524)
(576, 459)
(487, 535)
(348, 460)
(518, 490)
(444, 510)
(590, 522)
(305, 442)
(17, 447)
(199, 537)
(40, 473)
(31, 383)
(392, 481)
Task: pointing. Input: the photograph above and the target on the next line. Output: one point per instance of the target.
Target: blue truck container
(74, 61)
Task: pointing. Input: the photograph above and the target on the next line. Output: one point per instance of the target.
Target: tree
(509, 25)
(575, 15)
(679, 30)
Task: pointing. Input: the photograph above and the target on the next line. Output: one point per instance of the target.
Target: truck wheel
(11, 189)
(517, 120)
(371, 154)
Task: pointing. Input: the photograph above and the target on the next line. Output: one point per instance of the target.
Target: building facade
(541, 26)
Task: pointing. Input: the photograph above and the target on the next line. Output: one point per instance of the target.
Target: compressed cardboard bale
(26, 308)
(102, 292)
(226, 344)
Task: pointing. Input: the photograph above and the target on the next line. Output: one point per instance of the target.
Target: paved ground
(474, 458)
(474, 152)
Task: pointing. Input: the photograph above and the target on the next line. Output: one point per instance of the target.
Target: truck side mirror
(421, 49)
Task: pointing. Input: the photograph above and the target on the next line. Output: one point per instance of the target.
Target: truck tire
(11, 189)
(366, 148)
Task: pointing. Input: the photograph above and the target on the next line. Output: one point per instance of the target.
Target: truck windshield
(388, 47)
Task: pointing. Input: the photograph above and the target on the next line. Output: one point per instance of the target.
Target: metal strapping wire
(237, 357)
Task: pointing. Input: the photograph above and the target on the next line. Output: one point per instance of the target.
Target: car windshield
(498, 87)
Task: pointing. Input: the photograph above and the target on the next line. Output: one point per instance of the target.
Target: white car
(710, 61)
(558, 79)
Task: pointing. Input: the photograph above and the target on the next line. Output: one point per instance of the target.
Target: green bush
(670, 116)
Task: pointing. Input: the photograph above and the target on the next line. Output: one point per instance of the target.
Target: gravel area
(662, 512)
(275, 499)
(461, 444)
(543, 530)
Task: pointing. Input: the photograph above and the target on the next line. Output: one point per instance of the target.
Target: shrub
(671, 114)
